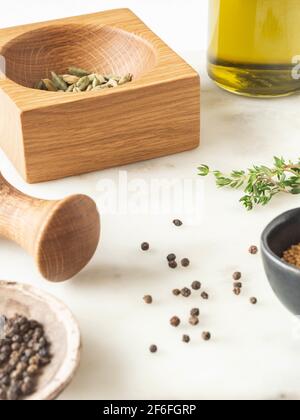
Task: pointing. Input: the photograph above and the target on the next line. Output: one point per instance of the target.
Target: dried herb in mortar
(79, 80)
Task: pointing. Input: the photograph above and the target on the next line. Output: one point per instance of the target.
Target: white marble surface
(254, 352)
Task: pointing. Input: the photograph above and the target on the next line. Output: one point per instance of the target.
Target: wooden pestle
(62, 235)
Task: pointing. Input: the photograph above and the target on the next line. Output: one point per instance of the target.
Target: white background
(254, 352)
(183, 24)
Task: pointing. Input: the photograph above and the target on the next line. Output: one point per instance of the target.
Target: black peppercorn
(153, 348)
(15, 346)
(185, 262)
(176, 292)
(148, 299)
(237, 291)
(194, 320)
(206, 336)
(171, 257)
(2, 394)
(196, 285)
(27, 387)
(253, 250)
(175, 321)
(177, 222)
(23, 352)
(186, 338)
(204, 296)
(13, 393)
(237, 275)
(186, 292)
(173, 264)
(32, 370)
(195, 312)
(145, 246)
(253, 300)
(237, 285)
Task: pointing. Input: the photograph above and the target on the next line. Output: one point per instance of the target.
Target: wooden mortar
(155, 115)
(61, 235)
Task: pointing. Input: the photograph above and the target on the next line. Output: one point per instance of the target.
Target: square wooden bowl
(50, 135)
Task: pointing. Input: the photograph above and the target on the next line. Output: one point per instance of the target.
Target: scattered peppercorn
(145, 246)
(237, 275)
(24, 351)
(195, 312)
(253, 250)
(186, 338)
(238, 285)
(173, 264)
(176, 292)
(185, 262)
(177, 222)
(194, 320)
(175, 321)
(237, 291)
(196, 285)
(204, 296)
(186, 292)
(153, 348)
(206, 336)
(171, 257)
(148, 299)
(253, 300)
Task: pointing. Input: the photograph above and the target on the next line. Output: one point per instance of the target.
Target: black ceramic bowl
(278, 236)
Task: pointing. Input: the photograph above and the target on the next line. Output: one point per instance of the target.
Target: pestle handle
(61, 235)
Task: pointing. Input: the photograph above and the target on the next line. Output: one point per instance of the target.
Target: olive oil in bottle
(254, 46)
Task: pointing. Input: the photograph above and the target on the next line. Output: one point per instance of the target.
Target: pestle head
(68, 238)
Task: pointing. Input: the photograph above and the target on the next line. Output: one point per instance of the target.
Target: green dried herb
(260, 183)
(49, 85)
(83, 83)
(80, 80)
(76, 71)
(58, 82)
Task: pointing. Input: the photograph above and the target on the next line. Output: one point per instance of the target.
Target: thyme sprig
(260, 183)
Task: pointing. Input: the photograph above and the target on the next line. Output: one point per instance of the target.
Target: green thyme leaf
(260, 183)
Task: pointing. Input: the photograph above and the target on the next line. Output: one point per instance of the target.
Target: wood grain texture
(65, 134)
(62, 235)
(61, 330)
